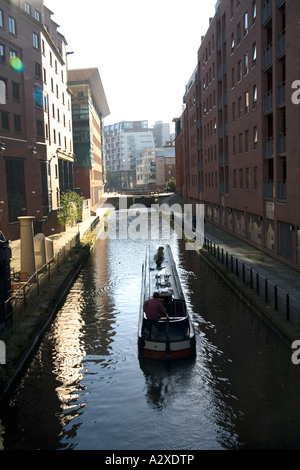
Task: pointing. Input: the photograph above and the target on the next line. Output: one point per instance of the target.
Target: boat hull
(166, 351)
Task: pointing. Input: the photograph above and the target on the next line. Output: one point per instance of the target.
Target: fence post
(288, 307)
(251, 278)
(275, 298)
(231, 262)
(214, 250)
(257, 283)
(218, 253)
(237, 267)
(244, 277)
(266, 291)
(227, 259)
(222, 255)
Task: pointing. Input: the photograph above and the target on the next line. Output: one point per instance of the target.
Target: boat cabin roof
(163, 279)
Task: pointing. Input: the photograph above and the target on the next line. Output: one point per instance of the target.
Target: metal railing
(272, 295)
(34, 284)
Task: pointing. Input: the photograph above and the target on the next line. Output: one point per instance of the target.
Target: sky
(145, 52)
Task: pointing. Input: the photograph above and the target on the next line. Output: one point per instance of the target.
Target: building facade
(246, 125)
(161, 133)
(155, 167)
(36, 149)
(122, 141)
(89, 108)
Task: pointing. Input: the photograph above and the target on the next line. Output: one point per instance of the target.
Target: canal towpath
(59, 241)
(276, 273)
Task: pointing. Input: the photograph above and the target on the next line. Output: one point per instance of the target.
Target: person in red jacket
(154, 308)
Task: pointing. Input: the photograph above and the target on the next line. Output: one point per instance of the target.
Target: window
(247, 141)
(240, 143)
(38, 96)
(239, 77)
(1, 19)
(2, 53)
(5, 120)
(46, 103)
(254, 54)
(37, 70)
(255, 177)
(17, 123)
(12, 25)
(234, 179)
(15, 188)
(246, 102)
(241, 178)
(36, 41)
(37, 15)
(27, 8)
(254, 96)
(247, 178)
(15, 90)
(232, 43)
(246, 64)
(255, 138)
(253, 12)
(2, 91)
(12, 54)
(40, 128)
(245, 24)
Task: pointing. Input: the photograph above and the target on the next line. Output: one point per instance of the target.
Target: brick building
(246, 125)
(36, 149)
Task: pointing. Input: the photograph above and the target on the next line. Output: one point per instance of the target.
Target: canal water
(87, 389)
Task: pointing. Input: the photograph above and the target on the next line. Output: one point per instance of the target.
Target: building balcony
(267, 58)
(269, 189)
(280, 45)
(268, 147)
(279, 3)
(281, 95)
(281, 144)
(266, 12)
(281, 190)
(268, 102)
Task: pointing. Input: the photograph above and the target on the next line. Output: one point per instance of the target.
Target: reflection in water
(86, 387)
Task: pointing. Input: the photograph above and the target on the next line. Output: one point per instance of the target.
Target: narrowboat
(173, 335)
